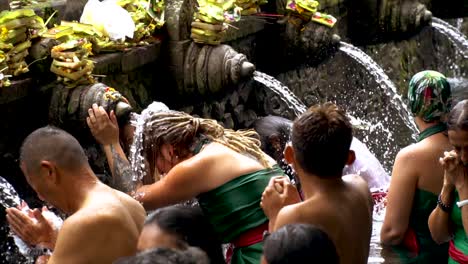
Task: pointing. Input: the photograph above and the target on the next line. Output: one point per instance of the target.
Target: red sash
(456, 254)
(410, 242)
(248, 238)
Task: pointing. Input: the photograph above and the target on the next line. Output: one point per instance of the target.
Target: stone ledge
(123, 62)
(249, 25)
(17, 90)
(105, 64)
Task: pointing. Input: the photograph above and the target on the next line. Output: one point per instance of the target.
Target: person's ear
(48, 170)
(289, 154)
(351, 157)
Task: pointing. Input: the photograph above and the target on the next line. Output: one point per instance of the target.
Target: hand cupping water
(37, 228)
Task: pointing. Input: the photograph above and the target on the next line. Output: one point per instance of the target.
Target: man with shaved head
(103, 223)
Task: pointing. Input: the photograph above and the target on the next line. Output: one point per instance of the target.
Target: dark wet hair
(270, 126)
(189, 225)
(167, 256)
(321, 139)
(52, 144)
(299, 243)
(458, 117)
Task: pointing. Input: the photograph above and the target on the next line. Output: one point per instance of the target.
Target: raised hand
(104, 127)
(32, 227)
(455, 173)
(279, 193)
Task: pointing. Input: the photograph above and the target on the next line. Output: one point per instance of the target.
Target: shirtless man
(342, 207)
(104, 224)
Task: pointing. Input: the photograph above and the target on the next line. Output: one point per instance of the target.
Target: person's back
(346, 215)
(321, 140)
(104, 224)
(417, 177)
(114, 218)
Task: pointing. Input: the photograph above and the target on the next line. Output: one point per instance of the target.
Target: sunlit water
(379, 208)
(383, 82)
(10, 198)
(459, 40)
(136, 157)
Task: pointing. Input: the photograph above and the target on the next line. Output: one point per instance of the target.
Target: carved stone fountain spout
(69, 107)
(209, 69)
(372, 21)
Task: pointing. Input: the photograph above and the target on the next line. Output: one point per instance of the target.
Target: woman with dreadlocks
(224, 169)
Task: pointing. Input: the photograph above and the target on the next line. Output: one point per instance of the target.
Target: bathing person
(449, 220)
(101, 218)
(167, 256)
(417, 176)
(275, 132)
(295, 243)
(342, 206)
(224, 169)
(180, 226)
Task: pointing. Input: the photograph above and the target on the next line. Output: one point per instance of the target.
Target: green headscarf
(429, 95)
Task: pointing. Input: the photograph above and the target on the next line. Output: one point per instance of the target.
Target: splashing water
(282, 91)
(380, 184)
(459, 40)
(137, 161)
(384, 82)
(294, 103)
(10, 198)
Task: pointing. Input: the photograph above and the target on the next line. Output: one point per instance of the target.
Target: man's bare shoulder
(89, 218)
(417, 154)
(357, 182)
(308, 212)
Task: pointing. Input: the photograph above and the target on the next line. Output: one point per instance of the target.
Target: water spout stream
(384, 82)
(459, 40)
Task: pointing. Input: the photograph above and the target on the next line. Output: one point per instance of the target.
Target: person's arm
(439, 220)
(121, 170)
(183, 182)
(399, 199)
(105, 130)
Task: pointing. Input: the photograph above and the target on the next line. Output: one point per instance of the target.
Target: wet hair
(190, 226)
(273, 126)
(321, 139)
(458, 117)
(182, 131)
(55, 145)
(299, 243)
(167, 256)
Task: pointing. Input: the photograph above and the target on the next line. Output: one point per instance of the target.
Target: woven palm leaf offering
(212, 19)
(307, 11)
(147, 15)
(71, 63)
(17, 28)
